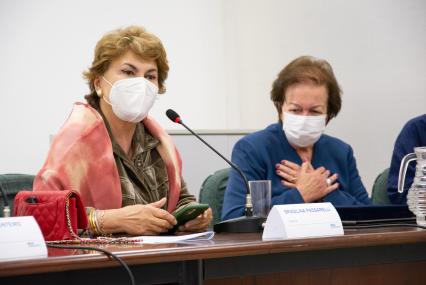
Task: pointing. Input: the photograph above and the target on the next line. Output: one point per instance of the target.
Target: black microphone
(172, 115)
(245, 224)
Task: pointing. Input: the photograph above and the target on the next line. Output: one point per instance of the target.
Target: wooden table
(373, 256)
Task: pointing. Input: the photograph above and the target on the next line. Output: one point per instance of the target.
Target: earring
(99, 93)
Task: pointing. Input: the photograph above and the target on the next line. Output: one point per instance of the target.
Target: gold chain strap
(99, 241)
(67, 213)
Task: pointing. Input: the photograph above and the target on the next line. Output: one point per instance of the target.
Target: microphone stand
(244, 224)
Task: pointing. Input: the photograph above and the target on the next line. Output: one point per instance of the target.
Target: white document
(21, 238)
(175, 239)
(302, 221)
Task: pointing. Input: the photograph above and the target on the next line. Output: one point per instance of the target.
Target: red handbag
(58, 213)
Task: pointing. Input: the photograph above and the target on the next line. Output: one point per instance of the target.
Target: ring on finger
(328, 181)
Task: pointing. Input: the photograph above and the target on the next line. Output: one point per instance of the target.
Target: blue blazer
(412, 135)
(258, 153)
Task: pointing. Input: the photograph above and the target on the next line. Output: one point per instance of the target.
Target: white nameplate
(21, 238)
(302, 221)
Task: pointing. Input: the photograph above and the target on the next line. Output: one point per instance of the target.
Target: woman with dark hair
(303, 164)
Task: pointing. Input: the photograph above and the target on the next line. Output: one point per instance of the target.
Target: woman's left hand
(289, 172)
(199, 224)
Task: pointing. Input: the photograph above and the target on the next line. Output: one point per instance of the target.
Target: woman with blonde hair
(123, 164)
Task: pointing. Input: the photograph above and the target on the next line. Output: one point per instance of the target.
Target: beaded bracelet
(101, 220)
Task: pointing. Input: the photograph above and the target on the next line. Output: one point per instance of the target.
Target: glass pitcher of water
(416, 197)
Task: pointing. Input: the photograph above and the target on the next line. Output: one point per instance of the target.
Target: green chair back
(212, 192)
(379, 194)
(11, 185)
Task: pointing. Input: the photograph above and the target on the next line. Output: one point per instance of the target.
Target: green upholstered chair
(212, 192)
(11, 185)
(379, 194)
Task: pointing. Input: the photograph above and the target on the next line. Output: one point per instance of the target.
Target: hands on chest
(313, 184)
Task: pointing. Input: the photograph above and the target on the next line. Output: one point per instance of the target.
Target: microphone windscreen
(172, 115)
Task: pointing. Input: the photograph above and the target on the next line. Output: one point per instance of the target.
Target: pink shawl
(81, 159)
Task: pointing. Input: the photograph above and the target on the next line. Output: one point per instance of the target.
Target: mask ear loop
(100, 91)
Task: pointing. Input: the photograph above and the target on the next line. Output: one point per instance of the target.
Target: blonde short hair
(114, 44)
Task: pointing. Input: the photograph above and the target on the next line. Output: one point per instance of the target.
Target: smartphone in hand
(187, 213)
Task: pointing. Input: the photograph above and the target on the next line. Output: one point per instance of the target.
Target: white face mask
(303, 131)
(132, 98)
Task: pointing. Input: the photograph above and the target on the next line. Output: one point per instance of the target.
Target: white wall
(224, 55)
(377, 50)
(46, 45)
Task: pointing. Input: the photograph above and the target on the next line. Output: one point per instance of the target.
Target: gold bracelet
(96, 222)
(92, 222)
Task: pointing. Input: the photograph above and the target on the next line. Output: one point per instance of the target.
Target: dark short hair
(310, 70)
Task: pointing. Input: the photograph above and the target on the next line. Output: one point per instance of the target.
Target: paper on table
(173, 239)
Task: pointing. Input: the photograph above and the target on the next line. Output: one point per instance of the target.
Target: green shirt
(143, 177)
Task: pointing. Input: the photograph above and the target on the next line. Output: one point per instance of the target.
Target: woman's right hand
(312, 184)
(147, 219)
